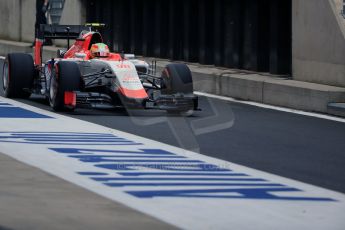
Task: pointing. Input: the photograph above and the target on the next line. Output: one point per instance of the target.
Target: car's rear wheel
(176, 78)
(66, 78)
(18, 75)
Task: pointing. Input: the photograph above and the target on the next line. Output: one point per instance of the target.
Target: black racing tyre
(66, 77)
(176, 78)
(18, 75)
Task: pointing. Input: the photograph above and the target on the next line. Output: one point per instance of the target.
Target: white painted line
(278, 108)
(183, 188)
(2, 57)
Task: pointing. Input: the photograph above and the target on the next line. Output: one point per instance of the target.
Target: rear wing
(60, 32)
(66, 31)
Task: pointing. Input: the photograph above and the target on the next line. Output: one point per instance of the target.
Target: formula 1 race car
(79, 77)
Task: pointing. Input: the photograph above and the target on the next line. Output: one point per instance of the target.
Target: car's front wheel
(176, 78)
(66, 78)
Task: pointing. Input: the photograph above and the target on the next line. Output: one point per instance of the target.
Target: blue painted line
(63, 138)
(59, 133)
(92, 173)
(76, 136)
(178, 174)
(73, 138)
(16, 112)
(77, 140)
(92, 151)
(100, 159)
(81, 144)
(173, 178)
(127, 156)
(247, 186)
(245, 193)
(45, 138)
(3, 103)
(192, 184)
(168, 167)
(161, 174)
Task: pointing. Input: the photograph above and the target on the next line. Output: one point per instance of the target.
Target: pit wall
(17, 18)
(318, 42)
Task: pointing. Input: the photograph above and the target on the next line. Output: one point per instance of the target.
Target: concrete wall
(17, 18)
(10, 19)
(74, 13)
(28, 13)
(318, 42)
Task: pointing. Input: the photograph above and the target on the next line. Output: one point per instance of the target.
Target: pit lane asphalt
(307, 149)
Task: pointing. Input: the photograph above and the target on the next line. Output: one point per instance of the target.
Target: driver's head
(99, 50)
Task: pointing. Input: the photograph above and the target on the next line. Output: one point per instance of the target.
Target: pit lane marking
(188, 191)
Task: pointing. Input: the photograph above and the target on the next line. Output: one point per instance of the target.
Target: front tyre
(66, 78)
(18, 75)
(177, 79)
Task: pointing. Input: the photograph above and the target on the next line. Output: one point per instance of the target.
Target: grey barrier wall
(18, 18)
(318, 42)
(11, 23)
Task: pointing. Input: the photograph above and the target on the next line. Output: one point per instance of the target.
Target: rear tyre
(66, 78)
(18, 75)
(176, 78)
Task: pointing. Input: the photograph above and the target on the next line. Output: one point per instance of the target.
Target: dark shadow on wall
(243, 34)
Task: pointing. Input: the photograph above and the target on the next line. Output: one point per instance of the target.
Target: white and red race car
(73, 79)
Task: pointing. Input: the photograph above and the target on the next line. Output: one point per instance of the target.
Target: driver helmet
(99, 50)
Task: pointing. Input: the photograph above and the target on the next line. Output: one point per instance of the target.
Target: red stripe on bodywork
(137, 93)
(38, 50)
(70, 98)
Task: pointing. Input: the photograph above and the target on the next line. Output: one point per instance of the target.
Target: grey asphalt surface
(31, 199)
(306, 149)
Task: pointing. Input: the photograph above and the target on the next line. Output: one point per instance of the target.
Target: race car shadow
(42, 102)
(157, 113)
(98, 112)
(39, 99)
